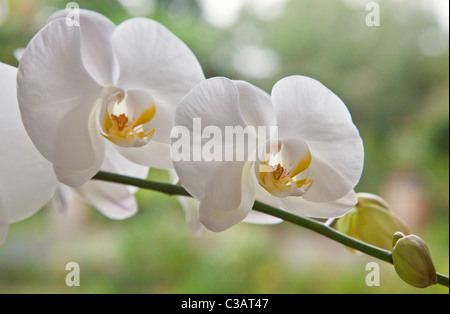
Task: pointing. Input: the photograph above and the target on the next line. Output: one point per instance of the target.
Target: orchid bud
(412, 261)
(371, 221)
(367, 199)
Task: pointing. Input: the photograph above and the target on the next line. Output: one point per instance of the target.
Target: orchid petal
(56, 96)
(256, 106)
(76, 178)
(62, 197)
(153, 154)
(113, 200)
(307, 109)
(96, 50)
(27, 180)
(190, 207)
(220, 220)
(258, 218)
(216, 184)
(153, 58)
(255, 217)
(115, 162)
(191, 213)
(300, 206)
(18, 53)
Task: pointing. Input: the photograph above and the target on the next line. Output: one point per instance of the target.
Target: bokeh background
(394, 79)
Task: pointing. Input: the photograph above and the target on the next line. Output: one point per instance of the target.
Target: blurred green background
(394, 79)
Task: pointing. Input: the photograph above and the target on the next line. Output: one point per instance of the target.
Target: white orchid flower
(82, 85)
(312, 169)
(28, 181)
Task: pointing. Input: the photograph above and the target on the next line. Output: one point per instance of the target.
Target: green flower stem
(311, 224)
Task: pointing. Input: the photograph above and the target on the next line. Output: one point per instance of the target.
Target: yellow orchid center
(123, 130)
(119, 123)
(282, 182)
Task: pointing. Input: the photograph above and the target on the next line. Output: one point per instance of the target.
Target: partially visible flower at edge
(27, 181)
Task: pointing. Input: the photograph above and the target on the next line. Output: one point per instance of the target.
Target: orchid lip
(281, 178)
(125, 122)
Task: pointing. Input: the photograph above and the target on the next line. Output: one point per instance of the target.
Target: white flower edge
(27, 182)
